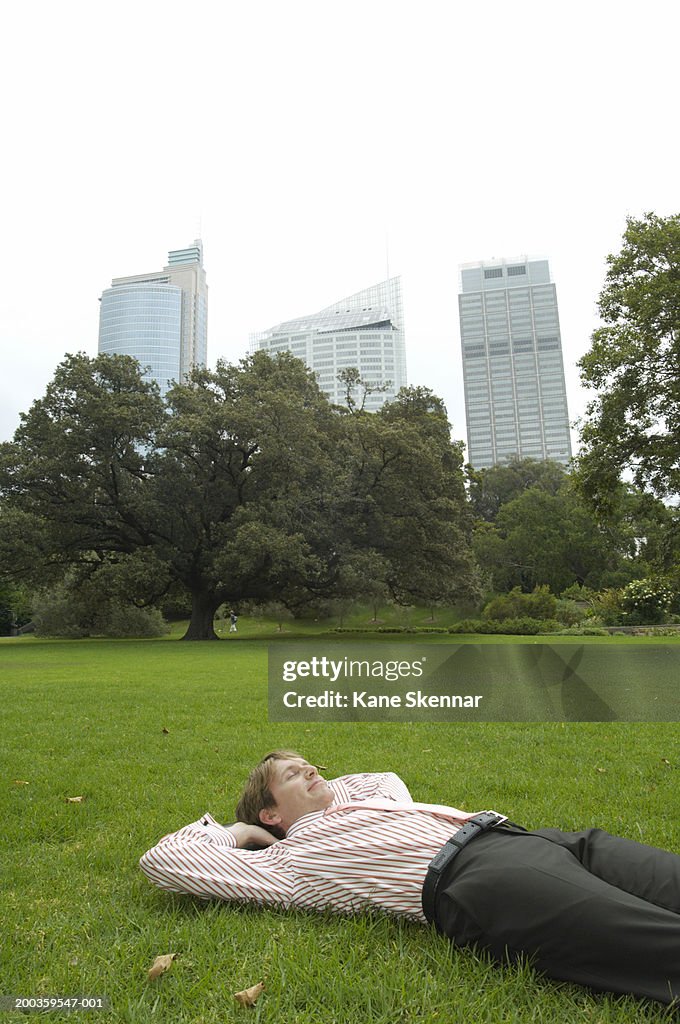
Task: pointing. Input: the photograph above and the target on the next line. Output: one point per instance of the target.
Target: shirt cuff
(218, 834)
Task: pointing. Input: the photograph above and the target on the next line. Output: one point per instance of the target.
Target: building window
(516, 271)
(493, 272)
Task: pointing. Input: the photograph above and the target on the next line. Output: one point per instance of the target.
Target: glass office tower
(364, 330)
(515, 394)
(159, 319)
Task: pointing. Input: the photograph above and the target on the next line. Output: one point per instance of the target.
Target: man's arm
(207, 859)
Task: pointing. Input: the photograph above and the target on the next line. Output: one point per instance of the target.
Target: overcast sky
(305, 140)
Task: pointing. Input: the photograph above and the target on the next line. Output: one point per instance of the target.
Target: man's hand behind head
(251, 835)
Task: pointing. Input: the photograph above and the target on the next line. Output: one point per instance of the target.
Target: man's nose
(310, 770)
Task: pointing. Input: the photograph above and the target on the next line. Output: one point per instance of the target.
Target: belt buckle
(499, 819)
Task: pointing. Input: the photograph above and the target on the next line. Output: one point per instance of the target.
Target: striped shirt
(352, 860)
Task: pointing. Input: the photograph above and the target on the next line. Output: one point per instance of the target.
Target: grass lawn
(153, 733)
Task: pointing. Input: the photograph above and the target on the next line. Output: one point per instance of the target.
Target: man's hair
(256, 794)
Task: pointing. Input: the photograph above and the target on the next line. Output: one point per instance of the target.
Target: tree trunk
(203, 608)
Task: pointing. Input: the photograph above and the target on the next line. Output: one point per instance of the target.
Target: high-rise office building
(365, 330)
(160, 318)
(515, 394)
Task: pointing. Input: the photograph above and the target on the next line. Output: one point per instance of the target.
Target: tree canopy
(406, 501)
(535, 528)
(244, 483)
(634, 364)
(492, 488)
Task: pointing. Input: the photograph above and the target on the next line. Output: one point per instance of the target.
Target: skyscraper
(515, 394)
(365, 330)
(160, 318)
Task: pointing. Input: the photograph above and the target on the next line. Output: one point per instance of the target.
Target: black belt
(472, 828)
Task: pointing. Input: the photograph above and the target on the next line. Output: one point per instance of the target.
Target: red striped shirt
(347, 861)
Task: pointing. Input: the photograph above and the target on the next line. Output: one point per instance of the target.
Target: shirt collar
(304, 822)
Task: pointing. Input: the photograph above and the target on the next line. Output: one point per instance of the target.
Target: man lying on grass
(586, 906)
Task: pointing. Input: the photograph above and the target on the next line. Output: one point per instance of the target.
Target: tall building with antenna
(364, 330)
(161, 319)
(515, 394)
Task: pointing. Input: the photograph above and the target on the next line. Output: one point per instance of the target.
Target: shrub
(646, 601)
(519, 626)
(583, 631)
(568, 612)
(60, 613)
(127, 620)
(56, 614)
(576, 592)
(529, 626)
(467, 626)
(607, 607)
(540, 604)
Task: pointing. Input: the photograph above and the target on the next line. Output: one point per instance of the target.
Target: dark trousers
(587, 907)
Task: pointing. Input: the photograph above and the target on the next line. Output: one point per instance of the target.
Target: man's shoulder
(373, 785)
(364, 784)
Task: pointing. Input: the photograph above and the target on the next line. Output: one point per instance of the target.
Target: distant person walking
(233, 619)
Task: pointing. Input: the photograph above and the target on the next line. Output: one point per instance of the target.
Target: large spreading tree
(634, 364)
(244, 483)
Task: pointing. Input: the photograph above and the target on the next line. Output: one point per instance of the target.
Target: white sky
(297, 136)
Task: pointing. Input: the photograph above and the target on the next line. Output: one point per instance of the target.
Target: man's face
(297, 789)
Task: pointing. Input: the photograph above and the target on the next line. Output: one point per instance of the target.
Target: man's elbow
(151, 868)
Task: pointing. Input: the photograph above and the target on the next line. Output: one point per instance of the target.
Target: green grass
(86, 718)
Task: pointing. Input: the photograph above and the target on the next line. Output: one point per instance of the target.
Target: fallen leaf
(602, 771)
(665, 761)
(321, 767)
(20, 782)
(160, 965)
(74, 799)
(166, 731)
(249, 996)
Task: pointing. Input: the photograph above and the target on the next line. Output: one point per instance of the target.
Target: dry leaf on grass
(321, 767)
(166, 731)
(160, 965)
(250, 996)
(74, 799)
(665, 760)
(20, 782)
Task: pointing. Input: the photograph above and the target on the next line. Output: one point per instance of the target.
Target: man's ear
(270, 816)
